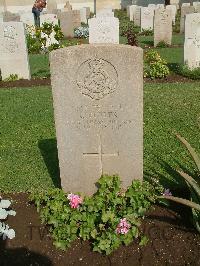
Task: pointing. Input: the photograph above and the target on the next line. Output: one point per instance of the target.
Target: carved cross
(100, 154)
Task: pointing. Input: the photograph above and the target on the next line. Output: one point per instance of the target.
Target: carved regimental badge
(97, 78)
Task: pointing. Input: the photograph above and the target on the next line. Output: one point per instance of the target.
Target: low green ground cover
(28, 154)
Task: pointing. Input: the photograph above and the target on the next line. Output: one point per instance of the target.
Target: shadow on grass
(21, 256)
(176, 184)
(174, 67)
(146, 42)
(41, 74)
(48, 149)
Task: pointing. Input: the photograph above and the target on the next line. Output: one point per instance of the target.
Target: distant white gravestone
(147, 17)
(173, 10)
(14, 54)
(137, 17)
(104, 30)
(192, 40)
(98, 109)
(132, 12)
(184, 11)
(106, 12)
(27, 18)
(162, 26)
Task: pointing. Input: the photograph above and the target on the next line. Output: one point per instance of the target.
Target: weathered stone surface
(83, 14)
(14, 55)
(192, 40)
(173, 10)
(98, 107)
(185, 10)
(175, 2)
(67, 6)
(27, 18)
(76, 18)
(137, 17)
(185, 4)
(106, 12)
(132, 12)
(51, 5)
(48, 18)
(147, 17)
(87, 12)
(104, 30)
(162, 6)
(162, 26)
(197, 8)
(152, 6)
(8, 16)
(66, 24)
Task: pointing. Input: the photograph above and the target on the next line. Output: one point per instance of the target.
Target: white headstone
(27, 18)
(132, 12)
(106, 12)
(192, 40)
(137, 17)
(104, 30)
(173, 10)
(98, 109)
(51, 5)
(153, 6)
(66, 24)
(83, 13)
(14, 54)
(48, 18)
(185, 10)
(175, 2)
(186, 4)
(162, 6)
(162, 26)
(196, 3)
(147, 17)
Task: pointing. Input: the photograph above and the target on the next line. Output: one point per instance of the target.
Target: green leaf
(144, 240)
(191, 150)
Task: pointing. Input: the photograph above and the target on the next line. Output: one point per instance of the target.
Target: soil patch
(24, 83)
(172, 242)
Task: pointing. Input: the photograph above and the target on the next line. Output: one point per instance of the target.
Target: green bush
(126, 26)
(193, 183)
(37, 41)
(154, 65)
(183, 70)
(146, 33)
(12, 77)
(162, 44)
(121, 14)
(109, 218)
(132, 38)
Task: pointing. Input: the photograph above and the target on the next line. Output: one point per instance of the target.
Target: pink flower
(167, 192)
(75, 200)
(123, 227)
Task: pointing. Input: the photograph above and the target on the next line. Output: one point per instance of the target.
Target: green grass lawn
(28, 154)
(39, 65)
(177, 39)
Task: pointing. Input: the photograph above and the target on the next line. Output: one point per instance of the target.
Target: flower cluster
(75, 200)
(123, 227)
(167, 192)
(81, 32)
